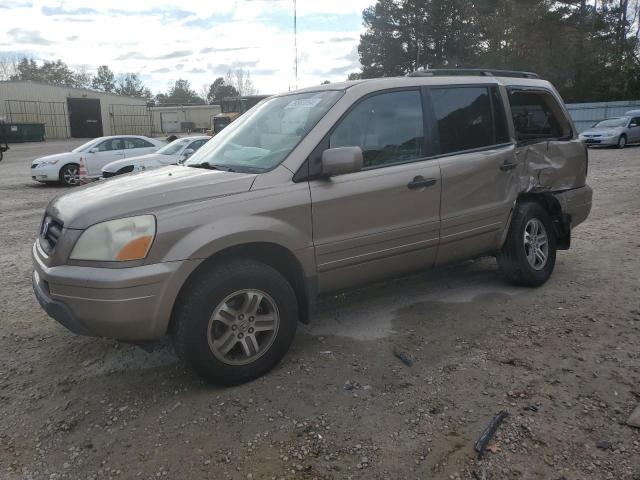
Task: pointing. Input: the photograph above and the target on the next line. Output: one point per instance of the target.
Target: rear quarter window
(537, 116)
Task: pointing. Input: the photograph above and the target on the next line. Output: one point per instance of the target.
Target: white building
(183, 118)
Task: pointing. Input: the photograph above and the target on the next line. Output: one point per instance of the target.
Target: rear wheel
(70, 175)
(235, 322)
(622, 141)
(528, 255)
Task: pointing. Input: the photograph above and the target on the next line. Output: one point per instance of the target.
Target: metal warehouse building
(73, 112)
(182, 118)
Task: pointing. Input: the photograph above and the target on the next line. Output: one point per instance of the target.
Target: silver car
(616, 131)
(175, 152)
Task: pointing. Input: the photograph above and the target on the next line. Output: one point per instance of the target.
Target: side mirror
(94, 150)
(633, 124)
(185, 155)
(341, 160)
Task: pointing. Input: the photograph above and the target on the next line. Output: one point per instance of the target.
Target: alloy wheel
(71, 175)
(243, 327)
(536, 244)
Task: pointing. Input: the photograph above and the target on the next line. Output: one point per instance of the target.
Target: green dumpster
(24, 132)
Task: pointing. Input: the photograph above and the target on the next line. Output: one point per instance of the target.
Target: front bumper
(129, 304)
(600, 140)
(45, 173)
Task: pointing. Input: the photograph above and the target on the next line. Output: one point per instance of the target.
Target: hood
(58, 156)
(144, 192)
(602, 130)
(141, 160)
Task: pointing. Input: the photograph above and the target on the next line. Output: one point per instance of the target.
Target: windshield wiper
(208, 166)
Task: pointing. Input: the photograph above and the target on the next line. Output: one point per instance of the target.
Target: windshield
(263, 137)
(613, 122)
(174, 147)
(87, 146)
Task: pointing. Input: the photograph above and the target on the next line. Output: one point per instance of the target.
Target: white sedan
(176, 152)
(65, 167)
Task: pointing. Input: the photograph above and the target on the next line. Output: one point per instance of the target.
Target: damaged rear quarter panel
(554, 165)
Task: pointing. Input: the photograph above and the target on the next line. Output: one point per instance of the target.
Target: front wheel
(70, 175)
(235, 321)
(528, 255)
(622, 141)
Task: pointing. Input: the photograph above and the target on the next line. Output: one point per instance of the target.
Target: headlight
(116, 240)
(48, 162)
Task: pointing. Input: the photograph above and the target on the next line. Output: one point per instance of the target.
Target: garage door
(85, 118)
(169, 122)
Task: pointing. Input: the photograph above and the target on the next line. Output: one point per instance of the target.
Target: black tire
(205, 293)
(67, 177)
(622, 141)
(513, 260)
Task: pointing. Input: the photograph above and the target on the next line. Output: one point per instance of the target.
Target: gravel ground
(563, 360)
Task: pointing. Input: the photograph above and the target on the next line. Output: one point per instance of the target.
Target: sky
(197, 40)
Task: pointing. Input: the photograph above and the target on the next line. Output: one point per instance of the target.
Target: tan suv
(311, 192)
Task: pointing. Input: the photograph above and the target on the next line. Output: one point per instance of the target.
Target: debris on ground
(634, 418)
(488, 433)
(349, 385)
(404, 357)
(604, 445)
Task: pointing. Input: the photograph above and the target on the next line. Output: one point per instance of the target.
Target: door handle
(507, 166)
(421, 182)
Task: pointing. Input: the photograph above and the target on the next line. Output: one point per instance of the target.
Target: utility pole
(295, 39)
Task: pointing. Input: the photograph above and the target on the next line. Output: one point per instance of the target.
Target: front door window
(388, 127)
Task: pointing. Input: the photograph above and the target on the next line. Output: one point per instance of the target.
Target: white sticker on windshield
(304, 103)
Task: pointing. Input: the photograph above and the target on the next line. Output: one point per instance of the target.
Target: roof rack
(482, 72)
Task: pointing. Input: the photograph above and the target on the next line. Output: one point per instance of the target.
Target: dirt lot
(563, 360)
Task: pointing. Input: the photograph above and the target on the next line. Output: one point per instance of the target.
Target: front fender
(279, 216)
(231, 232)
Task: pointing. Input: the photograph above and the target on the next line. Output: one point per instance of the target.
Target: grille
(50, 233)
(108, 174)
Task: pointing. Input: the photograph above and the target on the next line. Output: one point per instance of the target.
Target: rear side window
(388, 127)
(468, 118)
(537, 116)
(111, 144)
(137, 143)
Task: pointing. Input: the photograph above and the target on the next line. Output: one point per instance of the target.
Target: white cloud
(153, 37)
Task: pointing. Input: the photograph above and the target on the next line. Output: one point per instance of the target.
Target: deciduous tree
(219, 89)
(130, 85)
(104, 80)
